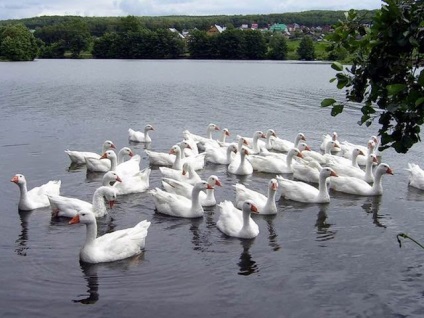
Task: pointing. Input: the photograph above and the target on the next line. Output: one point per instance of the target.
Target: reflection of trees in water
(246, 264)
(372, 206)
(323, 228)
(22, 240)
(90, 272)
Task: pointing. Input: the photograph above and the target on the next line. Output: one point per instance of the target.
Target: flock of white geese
(339, 165)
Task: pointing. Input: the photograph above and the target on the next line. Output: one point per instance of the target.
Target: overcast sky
(18, 9)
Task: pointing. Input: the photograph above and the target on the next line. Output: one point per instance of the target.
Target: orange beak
(104, 156)
(300, 155)
(333, 174)
(15, 179)
(172, 152)
(227, 133)
(75, 219)
(118, 179)
(274, 186)
(112, 146)
(111, 203)
(218, 183)
(131, 154)
(217, 128)
(253, 208)
(303, 138)
(209, 187)
(361, 153)
(307, 148)
(389, 171)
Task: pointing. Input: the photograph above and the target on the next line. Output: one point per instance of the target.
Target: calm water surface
(335, 260)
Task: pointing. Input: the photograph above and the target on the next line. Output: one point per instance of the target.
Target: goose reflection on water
(272, 234)
(372, 206)
(90, 273)
(247, 265)
(323, 228)
(22, 240)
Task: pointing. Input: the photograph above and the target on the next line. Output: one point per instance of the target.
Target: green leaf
(418, 102)
(337, 109)
(342, 83)
(421, 78)
(332, 80)
(337, 66)
(395, 88)
(327, 102)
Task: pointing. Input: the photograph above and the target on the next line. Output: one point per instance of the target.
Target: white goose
(326, 138)
(237, 223)
(222, 140)
(348, 147)
(138, 136)
(272, 164)
(126, 168)
(351, 171)
(307, 171)
(185, 189)
(357, 186)
(137, 183)
(178, 205)
(78, 157)
(102, 165)
(255, 145)
(112, 246)
(187, 174)
(303, 192)
(109, 178)
(36, 197)
(416, 176)
(68, 207)
(241, 166)
(264, 204)
(167, 158)
(200, 140)
(282, 145)
(222, 155)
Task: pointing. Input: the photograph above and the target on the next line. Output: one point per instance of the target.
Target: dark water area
(310, 260)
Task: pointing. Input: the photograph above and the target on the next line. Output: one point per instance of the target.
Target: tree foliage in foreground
(385, 76)
(17, 43)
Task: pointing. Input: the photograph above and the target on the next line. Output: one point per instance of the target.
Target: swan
(187, 174)
(102, 165)
(185, 189)
(112, 246)
(178, 205)
(357, 186)
(68, 207)
(241, 166)
(126, 168)
(264, 204)
(138, 136)
(237, 223)
(416, 176)
(78, 157)
(272, 164)
(281, 145)
(36, 197)
(351, 171)
(222, 155)
(303, 192)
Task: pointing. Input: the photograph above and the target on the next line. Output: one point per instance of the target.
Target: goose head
(18, 179)
(84, 217)
(108, 145)
(212, 127)
(214, 181)
(109, 154)
(110, 176)
(174, 150)
(148, 127)
(249, 207)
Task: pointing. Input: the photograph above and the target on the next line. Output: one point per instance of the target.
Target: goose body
(303, 192)
(187, 174)
(241, 166)
(352, 185)
(237, 223)
(78, 157)
(272, 164)
(221, 155)
(37, 196)
(126, 168)
(264, 204)
(138, 136)
(416, 176)
(186, 189)
(200, 140)
(112, 246)
(282, 145)
(101, 164)
(177, 205)
(68, 207)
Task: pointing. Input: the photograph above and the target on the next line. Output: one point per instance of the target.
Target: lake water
(335, 260)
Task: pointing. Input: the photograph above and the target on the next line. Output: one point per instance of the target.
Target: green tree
(200, 45)
(306, 50)
(254, 45)
(385, 76)
(231, 45)
(17, 43)
(278, 47)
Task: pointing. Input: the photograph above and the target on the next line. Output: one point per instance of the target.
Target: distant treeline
(97, 26)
